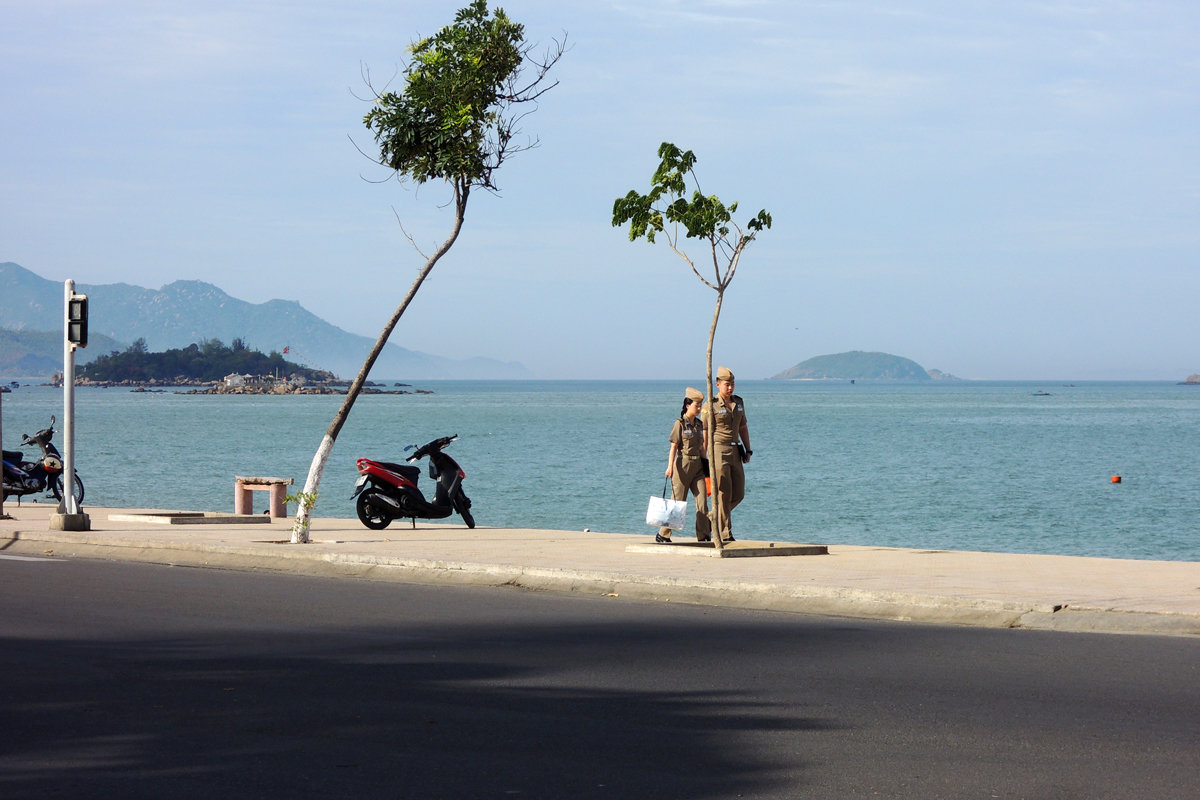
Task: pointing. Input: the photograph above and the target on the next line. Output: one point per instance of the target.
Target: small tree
(456, 121)
(664, 210)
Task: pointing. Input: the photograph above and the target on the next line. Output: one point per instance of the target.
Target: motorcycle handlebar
(45, 434)
(426, 449)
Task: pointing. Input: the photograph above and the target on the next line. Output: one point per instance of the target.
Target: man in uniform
(729, 426)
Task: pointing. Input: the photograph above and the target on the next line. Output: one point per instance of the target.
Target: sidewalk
(983, 589)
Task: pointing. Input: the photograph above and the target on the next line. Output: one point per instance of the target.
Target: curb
(817, 600)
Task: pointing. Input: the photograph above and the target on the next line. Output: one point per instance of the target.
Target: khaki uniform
(728, 472)
(688, 471)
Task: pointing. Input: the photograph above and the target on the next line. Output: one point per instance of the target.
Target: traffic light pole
(69, 517)
(2, 514)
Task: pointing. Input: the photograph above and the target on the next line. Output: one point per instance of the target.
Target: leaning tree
(666, 210)
(466, 90)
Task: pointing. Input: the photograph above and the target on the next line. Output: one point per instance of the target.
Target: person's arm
(671, 459)
(744, 432)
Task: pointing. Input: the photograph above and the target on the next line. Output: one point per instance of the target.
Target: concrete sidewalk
(983, 589)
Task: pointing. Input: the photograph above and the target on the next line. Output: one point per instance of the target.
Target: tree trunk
(308, 497)
(710, 423)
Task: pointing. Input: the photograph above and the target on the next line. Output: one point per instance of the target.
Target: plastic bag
(666, 512)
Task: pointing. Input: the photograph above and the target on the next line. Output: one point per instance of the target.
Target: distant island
(1192, 380)
(215, 368)
(210, 361)
(858, 365)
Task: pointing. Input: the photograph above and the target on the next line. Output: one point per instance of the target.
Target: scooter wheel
(462, 505)
(369, 513)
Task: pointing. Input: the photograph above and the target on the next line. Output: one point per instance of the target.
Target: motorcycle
(387, 490)
(23, 477)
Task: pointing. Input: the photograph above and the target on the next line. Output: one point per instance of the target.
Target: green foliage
(450, 121)
(702, 217)
(305, 500)
(209, 360)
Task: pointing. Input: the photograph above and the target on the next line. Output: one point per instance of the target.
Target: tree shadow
(524, 711)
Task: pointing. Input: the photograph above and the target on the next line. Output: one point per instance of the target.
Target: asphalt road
(132, 680)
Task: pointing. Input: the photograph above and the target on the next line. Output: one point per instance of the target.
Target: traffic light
(77, 320)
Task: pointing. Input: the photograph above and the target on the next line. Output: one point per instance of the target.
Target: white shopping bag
(666, 512)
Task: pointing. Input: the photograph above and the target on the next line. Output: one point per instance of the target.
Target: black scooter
(23, 477)
(386, 490)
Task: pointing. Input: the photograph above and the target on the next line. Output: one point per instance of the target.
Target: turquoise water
(969, 466)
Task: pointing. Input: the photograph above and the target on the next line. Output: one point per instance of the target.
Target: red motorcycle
(387, 490)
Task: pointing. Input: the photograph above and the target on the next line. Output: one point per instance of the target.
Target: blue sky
(999, 190)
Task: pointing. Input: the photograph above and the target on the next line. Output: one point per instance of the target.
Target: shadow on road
(457, 714)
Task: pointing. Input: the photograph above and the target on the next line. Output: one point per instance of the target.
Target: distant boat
(1040, 394)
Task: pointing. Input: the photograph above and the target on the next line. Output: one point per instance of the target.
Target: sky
(996, 189)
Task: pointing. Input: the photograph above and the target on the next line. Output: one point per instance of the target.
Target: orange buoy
(1116, 478)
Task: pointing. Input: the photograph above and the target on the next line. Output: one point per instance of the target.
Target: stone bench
(244, 485)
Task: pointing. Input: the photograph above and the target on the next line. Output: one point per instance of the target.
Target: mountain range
(187, 312)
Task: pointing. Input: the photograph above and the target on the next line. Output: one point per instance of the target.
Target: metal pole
(2, 514)
(68, 505)
(68, 516)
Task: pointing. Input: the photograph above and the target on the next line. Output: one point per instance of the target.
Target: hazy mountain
(859, 365)
(27, 353)
(185, 312)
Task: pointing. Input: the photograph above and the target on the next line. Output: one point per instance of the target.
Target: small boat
(1040, 394)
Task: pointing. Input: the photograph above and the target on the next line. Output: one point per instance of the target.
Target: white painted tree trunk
(308, 495)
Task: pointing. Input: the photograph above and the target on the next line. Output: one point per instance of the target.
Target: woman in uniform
(686, 463)
(729, 427)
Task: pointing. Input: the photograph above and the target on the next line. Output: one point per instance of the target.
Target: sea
(1021, 467)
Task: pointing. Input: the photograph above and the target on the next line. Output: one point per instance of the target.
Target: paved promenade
(941, 587)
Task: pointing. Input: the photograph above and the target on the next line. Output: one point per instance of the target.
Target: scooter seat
(14, 456)
(407, 470)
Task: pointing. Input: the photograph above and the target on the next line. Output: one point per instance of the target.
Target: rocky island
(858, 365)
(210, 367)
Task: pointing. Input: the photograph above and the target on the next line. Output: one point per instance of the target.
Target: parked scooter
(387, 490)
(23, 477)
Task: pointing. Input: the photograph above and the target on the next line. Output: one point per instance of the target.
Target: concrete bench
(244, 485)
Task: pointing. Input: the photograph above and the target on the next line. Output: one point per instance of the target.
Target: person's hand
(670, 471)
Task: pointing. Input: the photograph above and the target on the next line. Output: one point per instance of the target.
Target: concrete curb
(925, 608)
